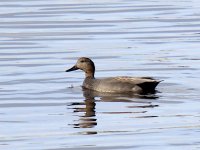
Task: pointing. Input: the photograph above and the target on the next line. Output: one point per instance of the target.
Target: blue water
(44, 108)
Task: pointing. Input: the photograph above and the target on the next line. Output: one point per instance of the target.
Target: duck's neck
(89, 74)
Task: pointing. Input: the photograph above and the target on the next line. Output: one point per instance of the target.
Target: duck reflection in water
(87, 107)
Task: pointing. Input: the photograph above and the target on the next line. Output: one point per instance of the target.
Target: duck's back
(122, 84)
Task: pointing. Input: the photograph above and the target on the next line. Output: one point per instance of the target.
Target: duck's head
(85, 64)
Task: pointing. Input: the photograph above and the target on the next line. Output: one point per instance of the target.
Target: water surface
(44, 108)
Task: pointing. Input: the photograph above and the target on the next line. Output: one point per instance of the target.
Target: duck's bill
(72, 69)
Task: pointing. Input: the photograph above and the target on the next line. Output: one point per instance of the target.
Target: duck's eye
(82, 61)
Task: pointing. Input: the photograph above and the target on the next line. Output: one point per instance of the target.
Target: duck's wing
(135, 80)
(148, 84)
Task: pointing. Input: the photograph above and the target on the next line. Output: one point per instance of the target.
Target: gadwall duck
(120, 84)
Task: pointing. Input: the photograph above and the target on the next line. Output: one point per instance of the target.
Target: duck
(119, 84)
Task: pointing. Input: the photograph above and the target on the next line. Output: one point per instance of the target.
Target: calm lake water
(44, 108)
